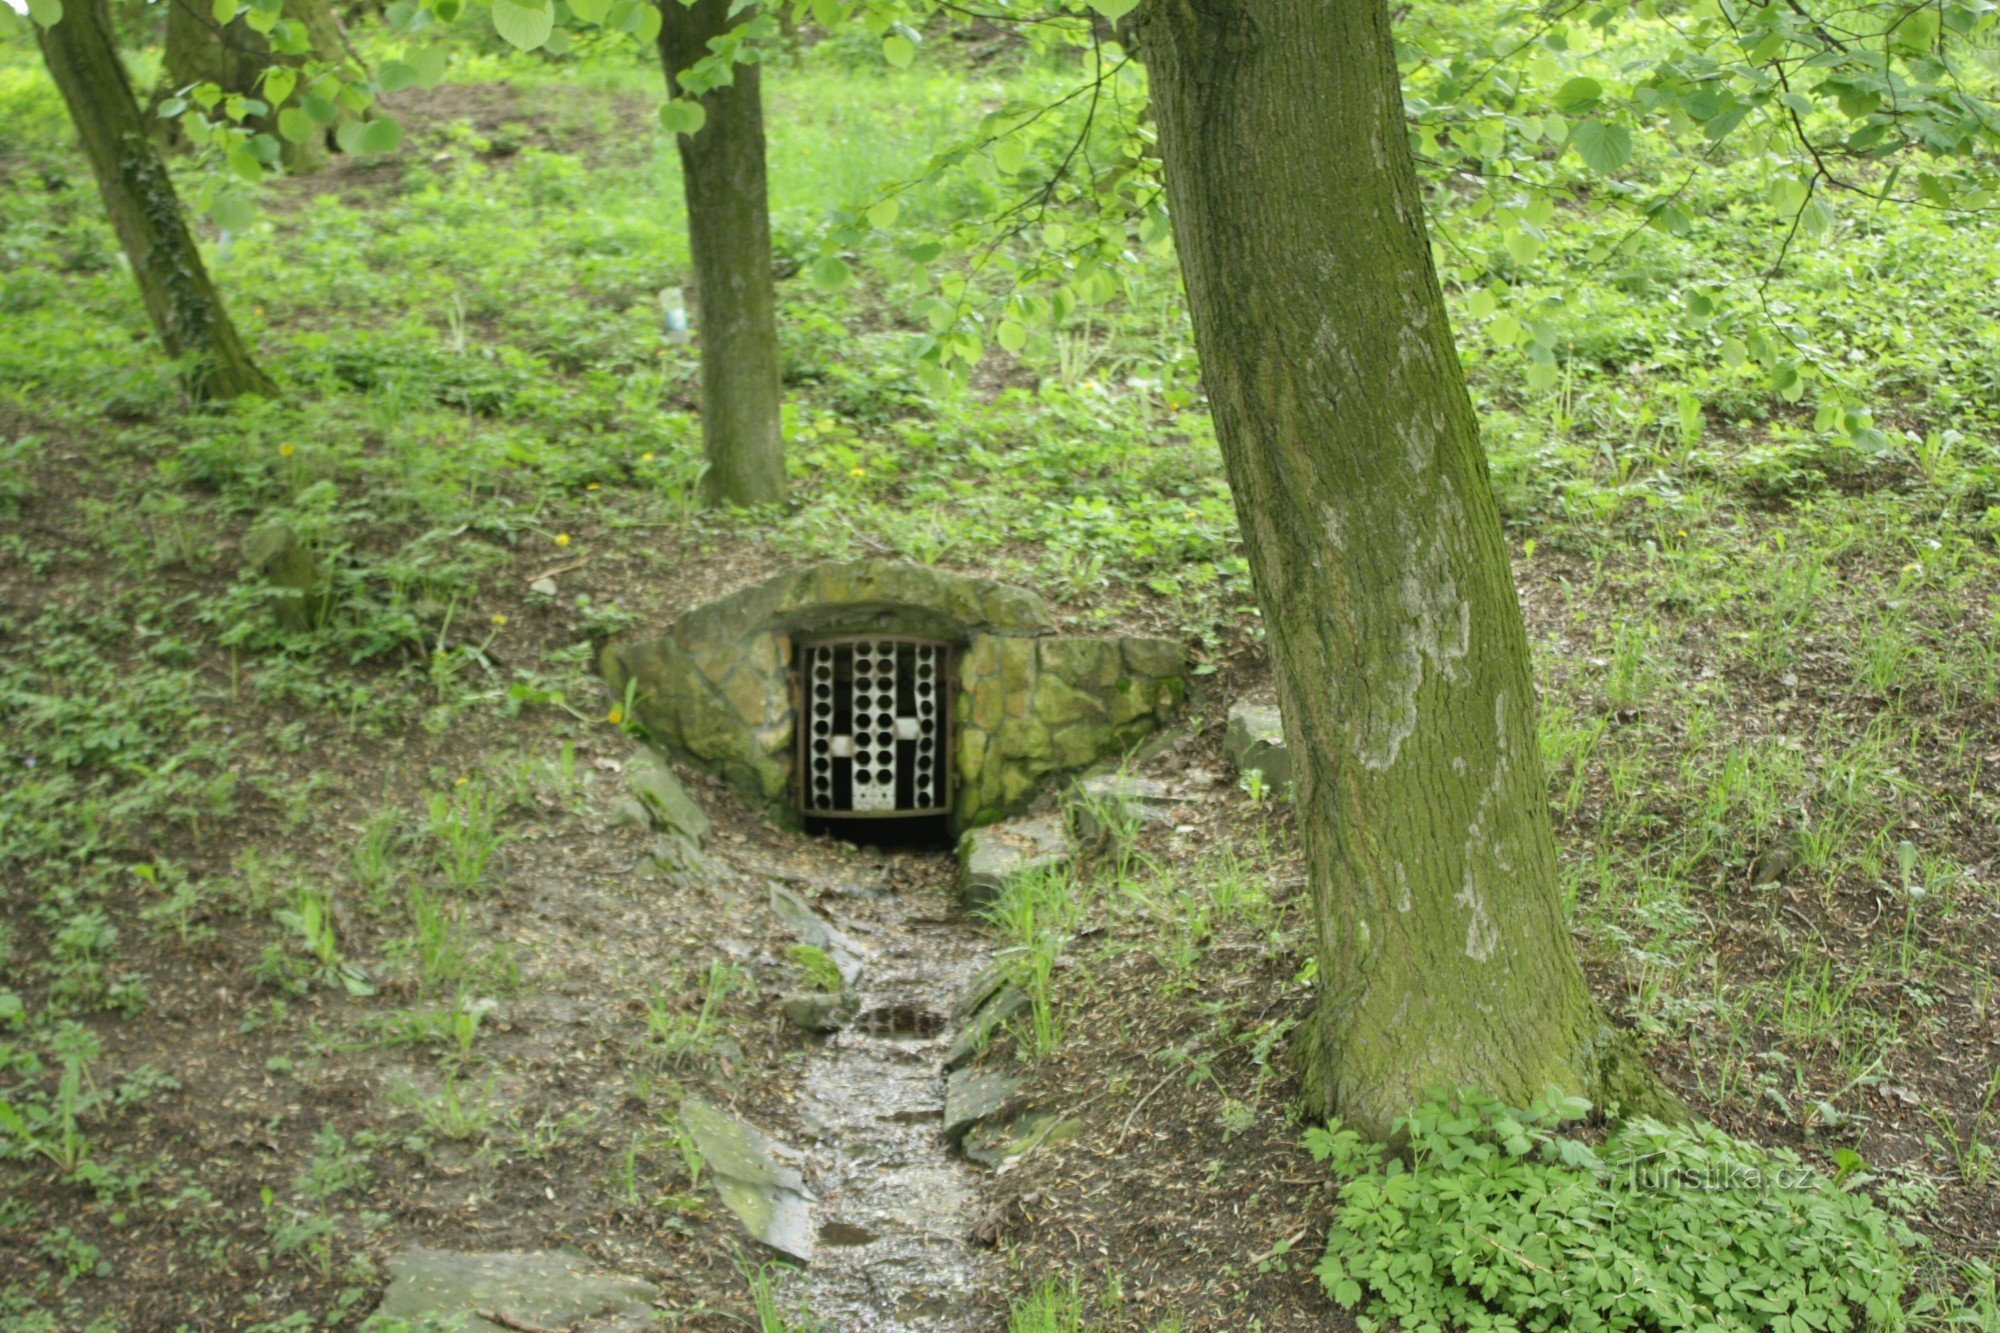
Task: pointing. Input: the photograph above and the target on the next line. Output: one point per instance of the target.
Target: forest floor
(1770, 676)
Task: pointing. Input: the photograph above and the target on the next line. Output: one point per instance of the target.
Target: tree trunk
(180, 300)
(234, 56)
(1376, 548)
(729, 236)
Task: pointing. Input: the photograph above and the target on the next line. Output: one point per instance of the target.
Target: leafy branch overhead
(1878, 103)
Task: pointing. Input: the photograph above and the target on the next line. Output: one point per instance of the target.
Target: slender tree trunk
(233, 56)
(729, 235)
(181, 302)
(1373, 538)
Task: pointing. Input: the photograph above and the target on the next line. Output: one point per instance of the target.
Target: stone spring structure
(1023, 702)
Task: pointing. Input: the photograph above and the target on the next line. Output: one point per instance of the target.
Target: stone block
(1057, 702)
(755, 1176)
(819, 1011)
(989, 857)
(449, 1288)
(1158, 658)
(971, 1095)
(666, 803)
(303, 590)
(1117, 804)
(1254, 742)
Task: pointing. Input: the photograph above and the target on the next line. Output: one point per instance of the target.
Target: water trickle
(895, 1204)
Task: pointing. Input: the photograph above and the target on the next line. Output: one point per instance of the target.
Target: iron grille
(874, 715)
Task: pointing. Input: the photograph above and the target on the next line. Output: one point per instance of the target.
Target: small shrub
(1496, 1221)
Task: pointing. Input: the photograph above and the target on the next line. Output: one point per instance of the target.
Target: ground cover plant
(319, 939)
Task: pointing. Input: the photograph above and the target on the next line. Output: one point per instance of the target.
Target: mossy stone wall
(1030, 703)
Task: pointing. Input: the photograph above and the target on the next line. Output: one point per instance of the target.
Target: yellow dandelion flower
(857, 471)
(497, 619)
(593, 486)
(646, 457)
(562, 539)
(285, 450)
(615, 716)
(463, 779)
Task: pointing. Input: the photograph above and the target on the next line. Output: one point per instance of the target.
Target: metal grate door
(873, 726)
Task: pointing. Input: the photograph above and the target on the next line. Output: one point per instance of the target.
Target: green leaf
(681, 116)
(1603, 147)
(381, 135)
(430, 64)
(320, 107)
(1481, 304)
(279, 81)
(295, 125)
(590, 11)
(831, 272)
(233, 212)
(1114, 9)
(898, 50)
(1010, 154)
(1579, 95)
(524, 26)
(883, 213)
(1012, 336)
(395, 75)
(447, 10)
(48, 13)
(224, 11)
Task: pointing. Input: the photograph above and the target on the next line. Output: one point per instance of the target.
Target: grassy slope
(1760, 647)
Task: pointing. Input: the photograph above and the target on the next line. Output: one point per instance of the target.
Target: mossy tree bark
(1375, 544)
(729, 236)
(234, 56)
(182, 303)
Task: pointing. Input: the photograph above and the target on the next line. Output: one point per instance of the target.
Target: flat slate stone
(995, 1145)
(971, 1095)
(666, 802)
(811, 928)
(754, 1176)
(1254, 742)
(550, 1290)
(990, 857)
(819, 1010)
(986, 1020)
(1112, 802)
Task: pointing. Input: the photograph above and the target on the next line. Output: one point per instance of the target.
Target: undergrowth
(1498, 1220)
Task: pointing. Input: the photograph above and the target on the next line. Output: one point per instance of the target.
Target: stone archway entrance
(1010, 705)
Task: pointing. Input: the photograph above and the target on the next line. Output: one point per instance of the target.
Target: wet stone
(899, 1020)
(995, 1144)
(971, 1095)
(755, 1177)
(989, 1018)
(845, 1233)
(819, 1011)
(537, 1290)
(799, 918)
(990, 857)
(1255, 743)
